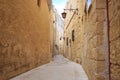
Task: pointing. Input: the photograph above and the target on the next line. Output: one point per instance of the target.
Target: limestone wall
(90, 45)
(24, 36)
(73, 23)
(114, 18)
(52, 30)
(95, 55)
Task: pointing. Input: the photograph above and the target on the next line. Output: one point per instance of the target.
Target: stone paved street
(58, 69)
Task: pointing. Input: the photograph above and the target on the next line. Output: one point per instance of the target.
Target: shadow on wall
(56, 50)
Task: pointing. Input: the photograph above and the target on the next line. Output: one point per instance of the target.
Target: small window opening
(73, 35)
(67, 41)
(60, 38)
(38, 2)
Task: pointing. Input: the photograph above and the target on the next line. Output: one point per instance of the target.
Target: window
(67, 41)
(38, 2)
(73, 35)
(82, 19)
(70, 41)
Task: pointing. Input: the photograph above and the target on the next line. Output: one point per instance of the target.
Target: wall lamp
(64, 13)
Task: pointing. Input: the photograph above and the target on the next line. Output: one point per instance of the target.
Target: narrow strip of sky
(88, 2)
(59, 5)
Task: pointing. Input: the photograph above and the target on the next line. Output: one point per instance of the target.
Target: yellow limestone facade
(24, 36)
(88, 37)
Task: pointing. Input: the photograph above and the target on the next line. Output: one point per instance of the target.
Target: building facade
(58, 30)
(24, 36)
(52, 29)
(59, 33)
(72, 31)
(92, 37)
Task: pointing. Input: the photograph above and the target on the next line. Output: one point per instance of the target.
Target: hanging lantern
(64, 15)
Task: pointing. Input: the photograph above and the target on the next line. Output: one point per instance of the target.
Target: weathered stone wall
(114, 19)
(24, 36)
(52, 30)
(73, 22)
(90, 47)
(95, 56)
(58, 31)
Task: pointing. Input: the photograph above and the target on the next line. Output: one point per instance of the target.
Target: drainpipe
(108, 34)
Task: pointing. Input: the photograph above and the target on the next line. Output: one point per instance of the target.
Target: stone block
(101, 4)
(100, 54)
(100, 40)
(115, 49)
(115, 72)
(99, 77)
(114, 27)
(113, 8)
(100, 27)
(101, 15)
(100, 67)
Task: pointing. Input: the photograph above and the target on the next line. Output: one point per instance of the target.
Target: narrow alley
(59, 39)
(58, 69)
